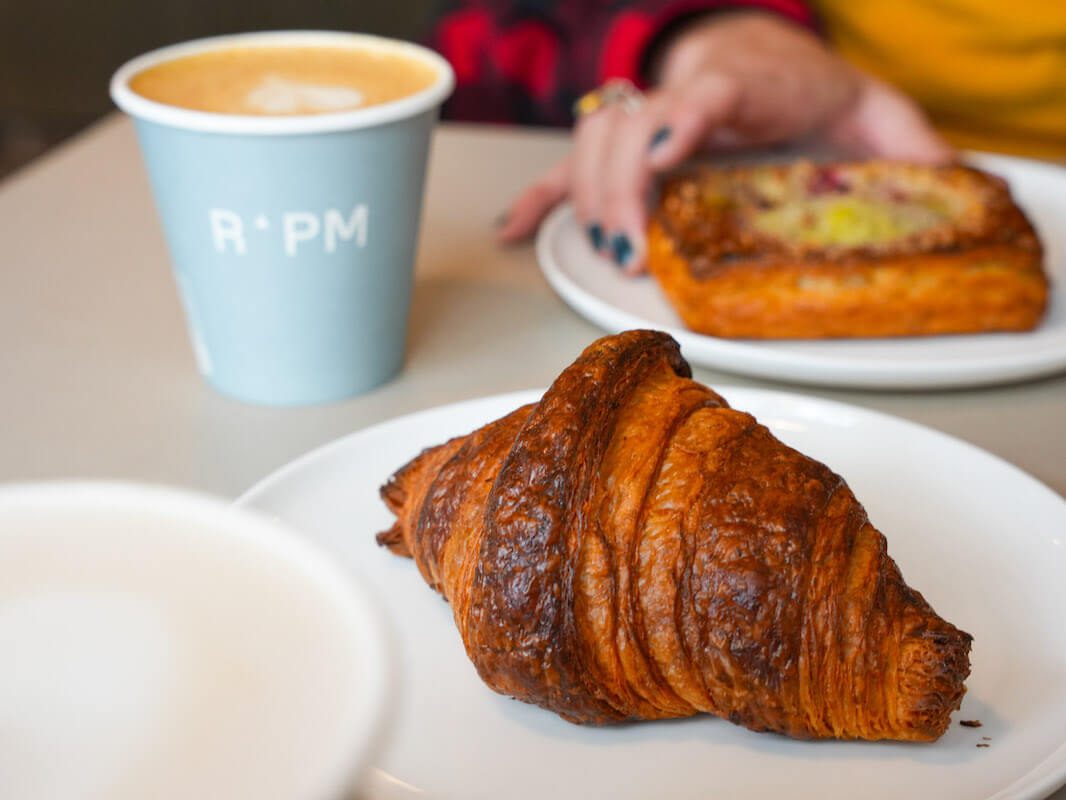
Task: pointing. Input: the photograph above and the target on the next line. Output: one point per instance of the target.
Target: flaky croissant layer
(631, 548)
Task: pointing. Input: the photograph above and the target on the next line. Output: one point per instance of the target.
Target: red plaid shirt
(527, 62)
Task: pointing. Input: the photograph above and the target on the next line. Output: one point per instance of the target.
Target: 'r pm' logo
(297, 228)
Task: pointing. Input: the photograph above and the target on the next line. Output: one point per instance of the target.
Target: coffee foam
(148, 657)
(280, 81)
(277, 95)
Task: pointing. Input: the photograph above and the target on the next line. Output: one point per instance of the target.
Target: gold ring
(615, 92)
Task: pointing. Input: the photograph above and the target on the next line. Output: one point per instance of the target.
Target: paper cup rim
(141, 107)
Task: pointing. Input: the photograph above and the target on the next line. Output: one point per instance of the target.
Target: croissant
(632, 548)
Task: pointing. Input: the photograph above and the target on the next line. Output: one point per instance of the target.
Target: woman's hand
(730, 80)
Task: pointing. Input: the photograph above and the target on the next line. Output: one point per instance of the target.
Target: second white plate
(597, 290)
(980, 539)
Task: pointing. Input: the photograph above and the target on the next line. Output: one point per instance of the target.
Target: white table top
(98, 379)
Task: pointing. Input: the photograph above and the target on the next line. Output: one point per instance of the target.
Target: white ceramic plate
(980, 539)
(596, 289)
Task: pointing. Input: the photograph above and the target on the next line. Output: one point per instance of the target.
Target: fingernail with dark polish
(621, 249)
(659, 137)
(595, 232)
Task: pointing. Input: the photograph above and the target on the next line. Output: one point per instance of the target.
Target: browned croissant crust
(631, 548)
(846, 250)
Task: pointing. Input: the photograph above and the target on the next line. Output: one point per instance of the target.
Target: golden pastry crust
(846, 250)
(632, 548)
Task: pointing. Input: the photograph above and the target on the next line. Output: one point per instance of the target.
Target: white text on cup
(230, 231)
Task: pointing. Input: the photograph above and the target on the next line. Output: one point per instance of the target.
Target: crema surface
(284, 80)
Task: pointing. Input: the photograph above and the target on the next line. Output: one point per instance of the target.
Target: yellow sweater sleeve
(990, 73)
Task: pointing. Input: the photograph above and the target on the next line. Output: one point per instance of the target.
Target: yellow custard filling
(849, 221)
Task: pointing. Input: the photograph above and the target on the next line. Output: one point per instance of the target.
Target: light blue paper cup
(292, 237)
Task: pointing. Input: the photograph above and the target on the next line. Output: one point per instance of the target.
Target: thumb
(528, 210)
(884, 122)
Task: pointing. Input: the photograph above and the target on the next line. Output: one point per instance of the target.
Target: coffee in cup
(160, 644)
(278, 79)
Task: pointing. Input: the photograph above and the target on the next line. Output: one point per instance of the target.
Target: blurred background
(57, 56)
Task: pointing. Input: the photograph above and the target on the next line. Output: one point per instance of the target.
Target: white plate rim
(762, 360)
(1041, 780)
